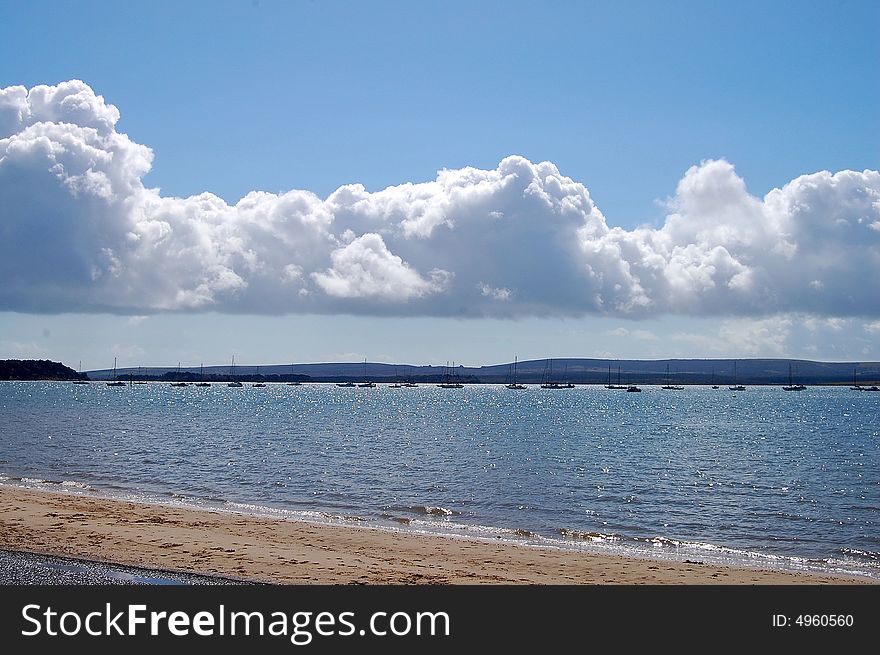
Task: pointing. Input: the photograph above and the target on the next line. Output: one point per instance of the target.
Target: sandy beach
(292, 552)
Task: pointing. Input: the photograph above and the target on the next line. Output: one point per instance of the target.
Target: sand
(293, 552)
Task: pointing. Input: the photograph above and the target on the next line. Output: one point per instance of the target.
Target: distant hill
(37, 369)
(577, 370)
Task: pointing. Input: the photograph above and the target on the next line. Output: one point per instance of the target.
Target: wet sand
(293, 552)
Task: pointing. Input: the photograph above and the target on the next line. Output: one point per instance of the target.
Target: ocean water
(762, 477)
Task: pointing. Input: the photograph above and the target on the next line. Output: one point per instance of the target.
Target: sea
(759, 478)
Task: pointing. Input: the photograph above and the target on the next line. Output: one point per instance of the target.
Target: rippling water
(760, 477)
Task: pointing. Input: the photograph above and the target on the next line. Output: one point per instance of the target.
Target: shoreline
(284, 551)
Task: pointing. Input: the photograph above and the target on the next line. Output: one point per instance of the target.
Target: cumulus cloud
(79, 231)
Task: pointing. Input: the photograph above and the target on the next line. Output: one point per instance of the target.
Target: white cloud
(873, 327)
(492, 292)
(767, 337)
(365, 268)
(73, 199)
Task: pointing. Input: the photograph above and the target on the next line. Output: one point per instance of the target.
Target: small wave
(588, 536)
(75, 485)
(311, 516)
(866, 554)
(433, 511)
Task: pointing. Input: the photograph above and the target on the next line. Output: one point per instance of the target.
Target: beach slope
(292, 552)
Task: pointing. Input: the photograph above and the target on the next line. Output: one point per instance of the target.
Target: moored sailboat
(366, 384)
(179, 382)
(617, 386)
(668, 386)
(791, 386)
(115, 383)
(514, 384)
(450, 380)
(80, 381)
(235, 383)
(201, 382)
(736, 387)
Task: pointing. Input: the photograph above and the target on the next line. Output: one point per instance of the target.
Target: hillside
(37, 369)
(577, 370)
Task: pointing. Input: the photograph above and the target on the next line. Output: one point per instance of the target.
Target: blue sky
(622, 97)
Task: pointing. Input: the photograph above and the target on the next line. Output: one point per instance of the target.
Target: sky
(423, 182)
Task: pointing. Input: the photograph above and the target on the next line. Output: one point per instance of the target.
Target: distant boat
(857, 387)
(633, 388)
(548, 381)
(714, 386)
(615, 386)
(80, 372)
(450, 380)
(792, 387)
(234, 383)
(671, 387)
(736, 387)
(345, 384)
(514, 385)
(295, 383)
(179, 383)
(258, 384)
(115, 383)
(201, 382)
(408, 382)
(397, 383)
(366, 384)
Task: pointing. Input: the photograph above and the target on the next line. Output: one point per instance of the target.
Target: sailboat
(258, 384)
(80, 372)
(515, 385)
(671, 387)
(565, 383)
(856, 386)
(234, 383)
(201, 382)
(409, 382)
(714, 386)
(294, 383)
(614, 386)
(450, 380)
(550, 383)
(179, 383)
(792, 387)
(115, 383)
(367, 384)
(397, 384)
(736, 387)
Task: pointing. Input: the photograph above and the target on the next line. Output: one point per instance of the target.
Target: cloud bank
(80, 232)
